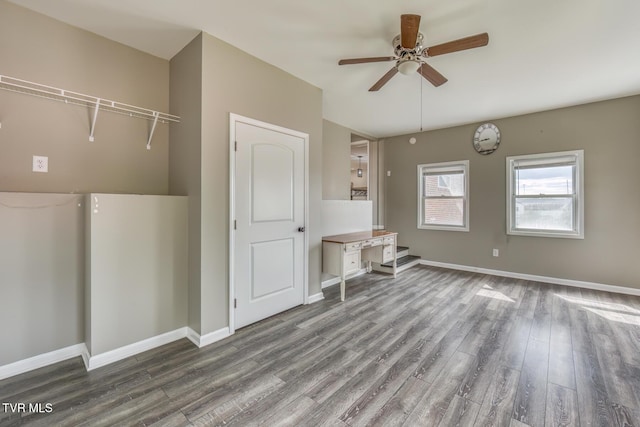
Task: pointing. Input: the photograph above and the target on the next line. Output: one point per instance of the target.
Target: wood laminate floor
(433, 347)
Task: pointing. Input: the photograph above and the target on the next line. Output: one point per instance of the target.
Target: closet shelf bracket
(95, 117)
(69, 97)
(153, 128)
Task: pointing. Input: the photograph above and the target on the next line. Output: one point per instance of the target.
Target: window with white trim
(545, 195)
(443, 196)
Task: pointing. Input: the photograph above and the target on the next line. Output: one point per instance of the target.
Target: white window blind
(443, 196)
(545, 195)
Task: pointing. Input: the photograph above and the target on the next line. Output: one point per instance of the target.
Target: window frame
(548, 159)
(455, 166)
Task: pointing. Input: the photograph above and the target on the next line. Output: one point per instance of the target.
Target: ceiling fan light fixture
(408, 67)
(410, 53)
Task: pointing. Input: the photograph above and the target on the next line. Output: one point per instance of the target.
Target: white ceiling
(360, 151)
(542, 54)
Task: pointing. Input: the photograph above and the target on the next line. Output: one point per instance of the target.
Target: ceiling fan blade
(456, 45)
(409, 26)
(365, 60)
(392, 72)
(430, 73)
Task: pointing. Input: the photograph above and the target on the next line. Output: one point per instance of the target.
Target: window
(443, 196)
(443, 181)
(545, 195)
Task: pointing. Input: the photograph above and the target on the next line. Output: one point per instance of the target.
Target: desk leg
(342, 260)
(395, 260)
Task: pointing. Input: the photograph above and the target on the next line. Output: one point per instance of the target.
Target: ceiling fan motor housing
(408, 59)
(400, 51)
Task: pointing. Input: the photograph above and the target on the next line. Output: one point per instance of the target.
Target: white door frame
(233, 119)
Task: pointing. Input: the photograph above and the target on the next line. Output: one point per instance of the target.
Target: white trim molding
(315, 298)
(102, 359)
(335, 280)
(553, 280)
(41, 360)
(331, 282)
(439, 170)
(210, 338)
(573, 159)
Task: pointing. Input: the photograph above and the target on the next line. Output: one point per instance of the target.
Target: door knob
(301, 229)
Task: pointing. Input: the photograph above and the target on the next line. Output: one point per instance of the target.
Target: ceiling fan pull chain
(420, 81)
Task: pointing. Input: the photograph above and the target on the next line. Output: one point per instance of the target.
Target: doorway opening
(360, 170)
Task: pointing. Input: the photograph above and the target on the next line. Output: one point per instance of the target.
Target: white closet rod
(23, 86)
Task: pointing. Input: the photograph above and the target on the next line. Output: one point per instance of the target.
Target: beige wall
(608, 132)
(42, 50)
(41, 274)
(235, 82)
(336, 166)
(137, 283)
(336, 161)
(42, 284)
(381, 176)
(185, 154)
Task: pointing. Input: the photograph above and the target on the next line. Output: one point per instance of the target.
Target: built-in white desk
(343, 254)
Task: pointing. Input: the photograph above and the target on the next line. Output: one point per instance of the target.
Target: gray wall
(138, 278)
(382, 180)
(336, 166)
(374, 180)
(235, 82)
(42, 292)
(41, 274)
(40, 49)
(336, 161)
(184, 156)
(608, 132)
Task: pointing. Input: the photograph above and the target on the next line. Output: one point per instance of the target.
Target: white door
(269, 251)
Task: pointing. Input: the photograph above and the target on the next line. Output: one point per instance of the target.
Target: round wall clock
(486, 139)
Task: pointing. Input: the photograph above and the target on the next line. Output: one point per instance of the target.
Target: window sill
(546, 233)
(442, 228)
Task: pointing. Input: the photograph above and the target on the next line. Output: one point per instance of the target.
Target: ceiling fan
(410, 54)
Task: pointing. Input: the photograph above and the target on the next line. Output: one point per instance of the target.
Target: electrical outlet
(388, 173)
(40, 164)
(496, 252)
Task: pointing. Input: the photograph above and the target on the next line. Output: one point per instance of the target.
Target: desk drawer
(372, 242)
(389, 240)
(350, 247)
(387, 253)
(351, 262)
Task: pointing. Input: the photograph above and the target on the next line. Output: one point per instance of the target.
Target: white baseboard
(330, 282)
(378, 227)
(334, 280)
(546, 279)
(99, 360)
(210, 338)
(86, 355)
(41, 360)
(315, 298)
